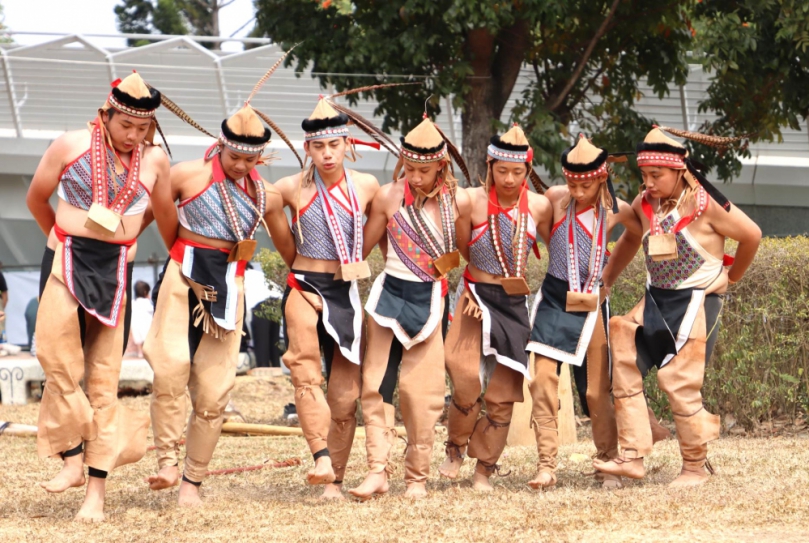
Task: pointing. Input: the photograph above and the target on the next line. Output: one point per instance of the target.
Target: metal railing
(55, 86)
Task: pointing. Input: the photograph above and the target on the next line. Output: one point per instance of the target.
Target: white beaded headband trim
(333, 132)
(241, 147)
(507, 156)
(656, 158)
(601, 170)
(418, 157)
(142, 113)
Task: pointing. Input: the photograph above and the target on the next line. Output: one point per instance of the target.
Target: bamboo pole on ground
(18, 430)
(282, 431)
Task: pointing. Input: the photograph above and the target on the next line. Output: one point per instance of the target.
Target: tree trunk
(495, 65)
(215, 24)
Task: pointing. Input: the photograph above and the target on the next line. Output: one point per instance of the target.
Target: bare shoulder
(464, 198)
(364, 180)
(188, 168)
(70, 144)
(275, 200)
(623, 207)
(637, 203)
(288, 183)
(556, 193)
(475, 194)
(540, 202)
(154, 154)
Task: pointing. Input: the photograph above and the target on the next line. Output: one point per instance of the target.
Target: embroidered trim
(334, 132)
(657, 158)
(601, 170)
(241, 147)
(142, 113)
(422, 158)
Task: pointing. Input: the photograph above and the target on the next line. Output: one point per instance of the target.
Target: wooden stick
(284, 464)
(281, 431)
(18, 430)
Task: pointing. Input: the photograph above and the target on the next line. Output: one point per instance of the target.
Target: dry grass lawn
(759, 495)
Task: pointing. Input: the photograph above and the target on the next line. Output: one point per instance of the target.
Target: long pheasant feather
(536, 180)
(456, 155)
(370, 88)
(163, 136)
(369, 128)
(280, 132)
(267, 75)
(705, 139)
(177, 110)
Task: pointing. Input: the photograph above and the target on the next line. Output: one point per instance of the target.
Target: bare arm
(163, 198)
(737, 225)
(148, 217)
(4, 297)
(543, 217)
(463, 223)
(44, 183)
(627, 245)
(374, 229)
(278, 226)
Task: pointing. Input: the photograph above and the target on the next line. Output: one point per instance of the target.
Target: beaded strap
(429, 241)
(100, 168)
(520, 249)
(230, 208)
(340, 243)
(599, 245)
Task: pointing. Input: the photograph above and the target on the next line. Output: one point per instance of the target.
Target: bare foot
(416, 491)
(481, 483)
(71, 475)
(375, 484)
(622, 467)
(690, 477)
(332, 491)
(450, 467)
(544, 479)
(189, 495)
(322, 473)
(167, 477)
(92, 510)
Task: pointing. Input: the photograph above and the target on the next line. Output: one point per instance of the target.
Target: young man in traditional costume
(197, 326)
(420, 212)
(103, 176)
(491, 325)
(571, 309)
(321, 304)
(686, 221)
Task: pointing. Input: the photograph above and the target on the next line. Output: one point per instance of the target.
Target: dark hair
(142, 289)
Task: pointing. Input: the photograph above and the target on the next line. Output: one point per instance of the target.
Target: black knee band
(97, 473)
(187, 480)
(336, 482)
(321, 453)
(78, 449)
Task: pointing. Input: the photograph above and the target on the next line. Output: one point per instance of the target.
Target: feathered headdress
(133, 96)
(243, 132)
(657, 149)
(584, 161)
(513, 146)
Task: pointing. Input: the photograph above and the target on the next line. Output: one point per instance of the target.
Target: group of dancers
(112, 181)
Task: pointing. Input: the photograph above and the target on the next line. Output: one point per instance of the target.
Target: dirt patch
(758, 495)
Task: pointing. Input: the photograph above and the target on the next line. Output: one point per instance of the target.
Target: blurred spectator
(31, 319)
(4, 300)
(142, 312)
